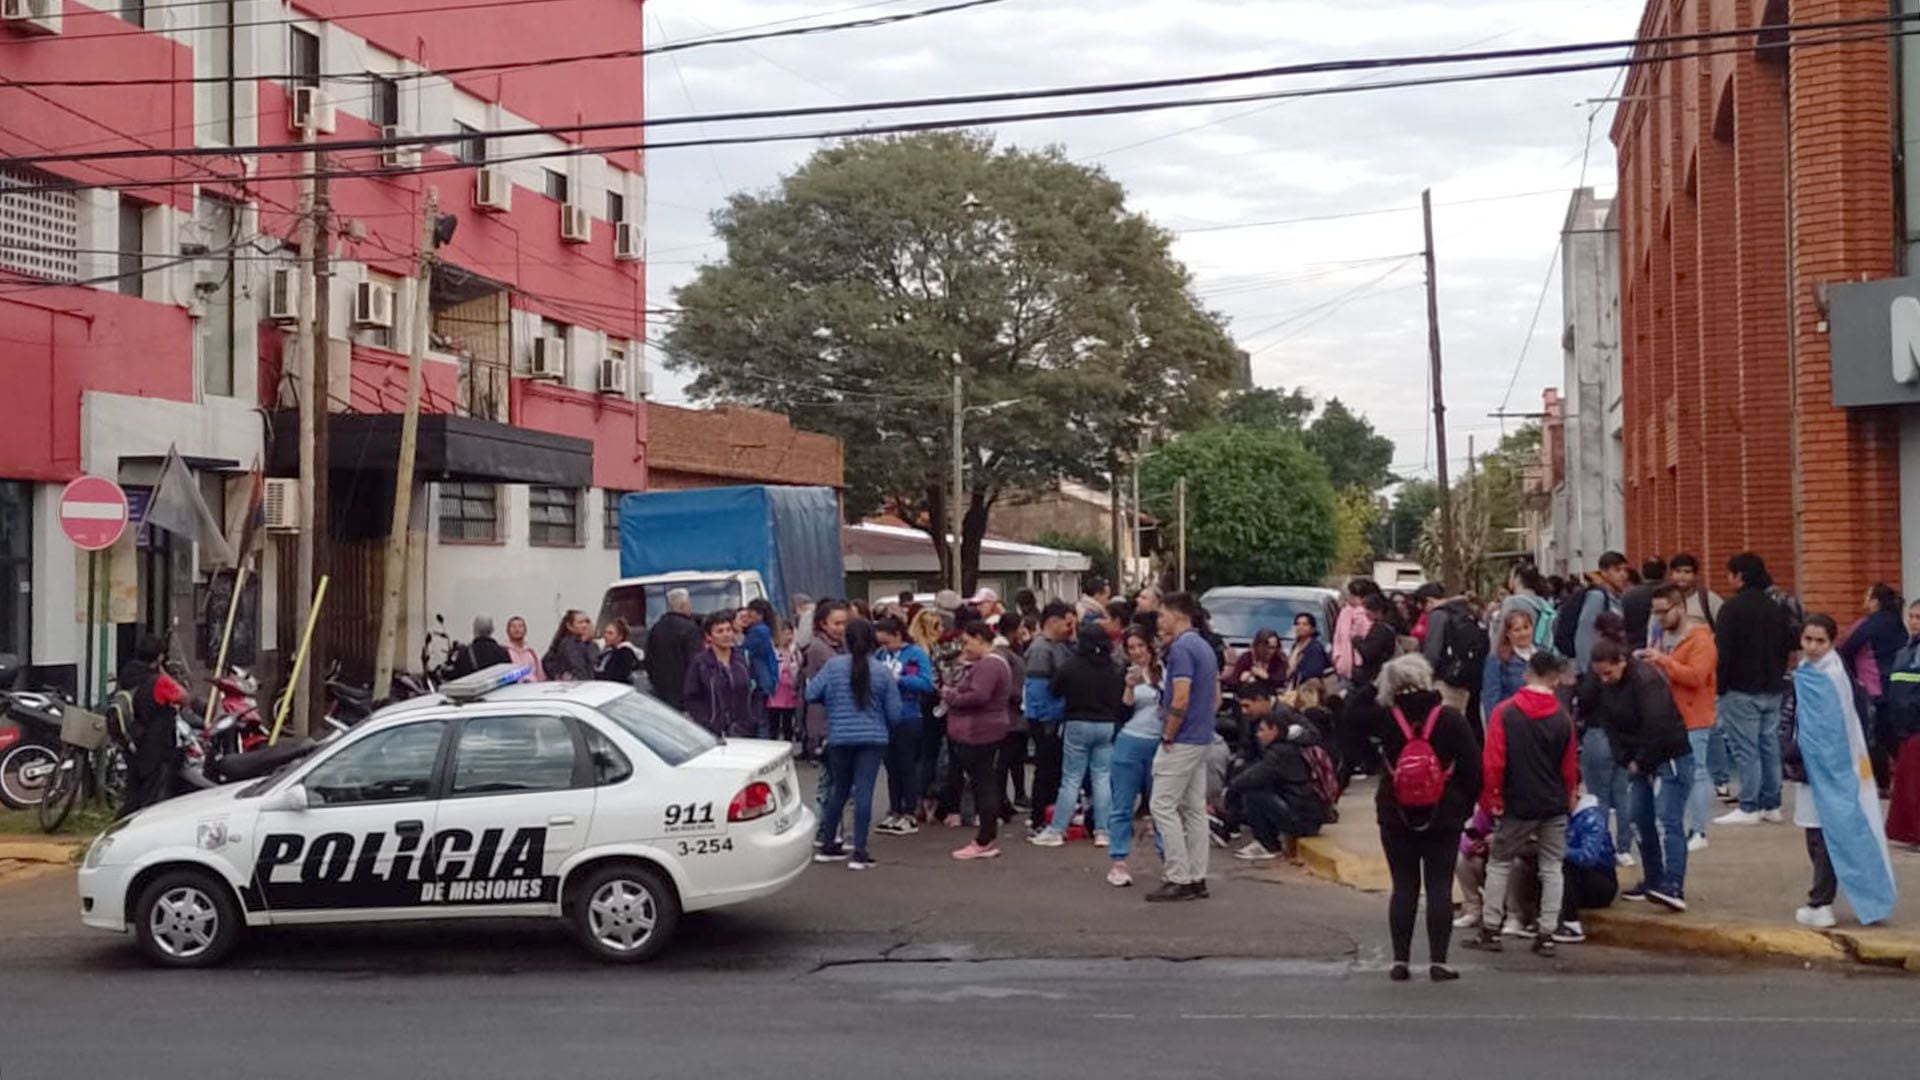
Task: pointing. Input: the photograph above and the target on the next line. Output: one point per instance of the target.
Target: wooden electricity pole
(393, 578)
(319, 524)
(1449, 549)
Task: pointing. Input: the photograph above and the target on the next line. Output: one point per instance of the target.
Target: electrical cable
(905, 126)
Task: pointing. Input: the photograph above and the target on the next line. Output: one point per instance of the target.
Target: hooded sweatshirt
(1531, 762)
(1282, 768)
(1349, 627)
(1692, 669)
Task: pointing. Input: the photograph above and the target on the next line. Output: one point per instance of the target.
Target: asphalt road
(924, 968)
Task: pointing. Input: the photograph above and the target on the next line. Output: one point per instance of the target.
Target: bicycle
(90, 766)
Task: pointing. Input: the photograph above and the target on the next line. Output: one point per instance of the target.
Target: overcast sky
(1327, 305)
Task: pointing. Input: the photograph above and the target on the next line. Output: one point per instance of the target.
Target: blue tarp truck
(725, 546)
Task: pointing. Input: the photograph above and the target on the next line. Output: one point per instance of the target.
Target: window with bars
(553, 516)
(39, 230)
(610, 520)
(469, 512)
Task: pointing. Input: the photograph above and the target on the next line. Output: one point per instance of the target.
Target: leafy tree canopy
(1260, 507)
(1356, 455)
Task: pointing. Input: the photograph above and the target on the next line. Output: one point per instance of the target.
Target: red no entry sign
(93, 513)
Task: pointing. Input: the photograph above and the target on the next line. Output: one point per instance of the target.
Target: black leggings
(1414, 857)
(973, 766)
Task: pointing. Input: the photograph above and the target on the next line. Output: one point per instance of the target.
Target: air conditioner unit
(613, 376)
(628, 242)
(31, 16)
(373, 305)
(643, 384)
(283, 294)
(550, 358)
(312, 108)
(398, 157)
(576, 225)
(280, 505)
(492, 190)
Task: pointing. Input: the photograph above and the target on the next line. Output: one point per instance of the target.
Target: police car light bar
(483, 682)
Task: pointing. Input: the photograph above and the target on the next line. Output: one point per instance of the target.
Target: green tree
(1355, 454)
(851, 295)
(1269, 407)
(1355, 515)
(1260, 509)
(1398, 532)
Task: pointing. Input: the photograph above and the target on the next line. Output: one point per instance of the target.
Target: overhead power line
(1125, 108)
(722, 38)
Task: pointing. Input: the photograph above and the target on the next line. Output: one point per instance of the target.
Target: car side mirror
(292, 798)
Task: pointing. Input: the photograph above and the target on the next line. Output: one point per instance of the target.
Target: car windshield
(672, 737)
(1238, 618)
(640, 605)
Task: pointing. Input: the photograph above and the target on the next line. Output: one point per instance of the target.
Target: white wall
(1593, 519)
(512, 577)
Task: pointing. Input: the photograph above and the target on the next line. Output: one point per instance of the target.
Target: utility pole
(393, 578)
(1139, 540)
(303, 556)
(1180, 515)
(321, 525)
(959, 476)
(1449, 550)
(1118, 529)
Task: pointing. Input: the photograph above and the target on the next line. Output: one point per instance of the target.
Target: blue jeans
(1132, 769)
(1088, 755)
(1700, 799)
(1719, 758)
(855, 770)
(1752, 726)
(1608, 784)
(1659, 810)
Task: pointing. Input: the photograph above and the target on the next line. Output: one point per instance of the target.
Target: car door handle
(410, 828)
(560, 821)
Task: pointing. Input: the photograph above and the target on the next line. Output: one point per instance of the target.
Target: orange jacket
(1692, 670)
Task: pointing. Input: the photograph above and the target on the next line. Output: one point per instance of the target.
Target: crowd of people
(1528, 748)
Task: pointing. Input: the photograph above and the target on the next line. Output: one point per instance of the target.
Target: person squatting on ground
(1422, 804)
(862, 703)
(1531, 776)
(1091, 689)
(1276, 793)
(1835, 799)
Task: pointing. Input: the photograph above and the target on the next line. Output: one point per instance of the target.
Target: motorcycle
(30, 746)
(234, 724)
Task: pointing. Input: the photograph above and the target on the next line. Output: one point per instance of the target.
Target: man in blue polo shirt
(1179, 801)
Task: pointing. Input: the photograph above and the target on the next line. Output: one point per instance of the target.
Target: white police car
(582, 801)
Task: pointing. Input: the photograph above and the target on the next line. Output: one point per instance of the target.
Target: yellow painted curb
(1329, 860)
(58, 852)
(16, 871)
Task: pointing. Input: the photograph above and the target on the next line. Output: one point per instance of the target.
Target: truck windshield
(672, 737)
(1239, 618)
(640, 605)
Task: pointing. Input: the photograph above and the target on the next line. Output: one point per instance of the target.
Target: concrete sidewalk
(1741, 895)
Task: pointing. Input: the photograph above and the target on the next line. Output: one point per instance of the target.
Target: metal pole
(393, 580)
(954, 512)
(1449, 552)
(1119, 528)
(233, 608)
(86, 693)
(303, 541)
(1180, 513)
(322, 401)
(1139, 540)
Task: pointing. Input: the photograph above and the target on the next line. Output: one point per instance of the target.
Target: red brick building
(733, 444)
(1749, 183)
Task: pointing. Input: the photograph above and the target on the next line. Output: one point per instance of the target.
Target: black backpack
(1463, 655)
(1566, 622)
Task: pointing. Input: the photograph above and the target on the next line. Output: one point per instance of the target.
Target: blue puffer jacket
(761, 659)
(848, 724)
(914, 671)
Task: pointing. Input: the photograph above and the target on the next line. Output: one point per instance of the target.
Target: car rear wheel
(186, 919)
(625, 912)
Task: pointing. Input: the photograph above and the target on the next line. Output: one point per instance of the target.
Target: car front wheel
(625, 912)
(185, 919)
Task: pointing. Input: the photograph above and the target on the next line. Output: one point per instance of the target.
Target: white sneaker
(1046, 838)
(1772, 817)
(1467, 921)
(1100, 839)
(1513, 928)
(1623, 860)
(1697, 842)
(1820, 918)
(1255, 852)
(1738, 817)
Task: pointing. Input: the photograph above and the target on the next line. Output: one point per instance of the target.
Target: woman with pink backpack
(1427, 793)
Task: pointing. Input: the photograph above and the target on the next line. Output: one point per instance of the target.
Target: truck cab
(642, 600)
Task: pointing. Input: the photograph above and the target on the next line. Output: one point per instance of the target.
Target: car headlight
(97, 851)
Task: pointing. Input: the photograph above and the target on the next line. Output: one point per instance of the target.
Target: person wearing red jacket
(1531, 776)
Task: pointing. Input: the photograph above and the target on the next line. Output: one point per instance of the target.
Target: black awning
(449, 448)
